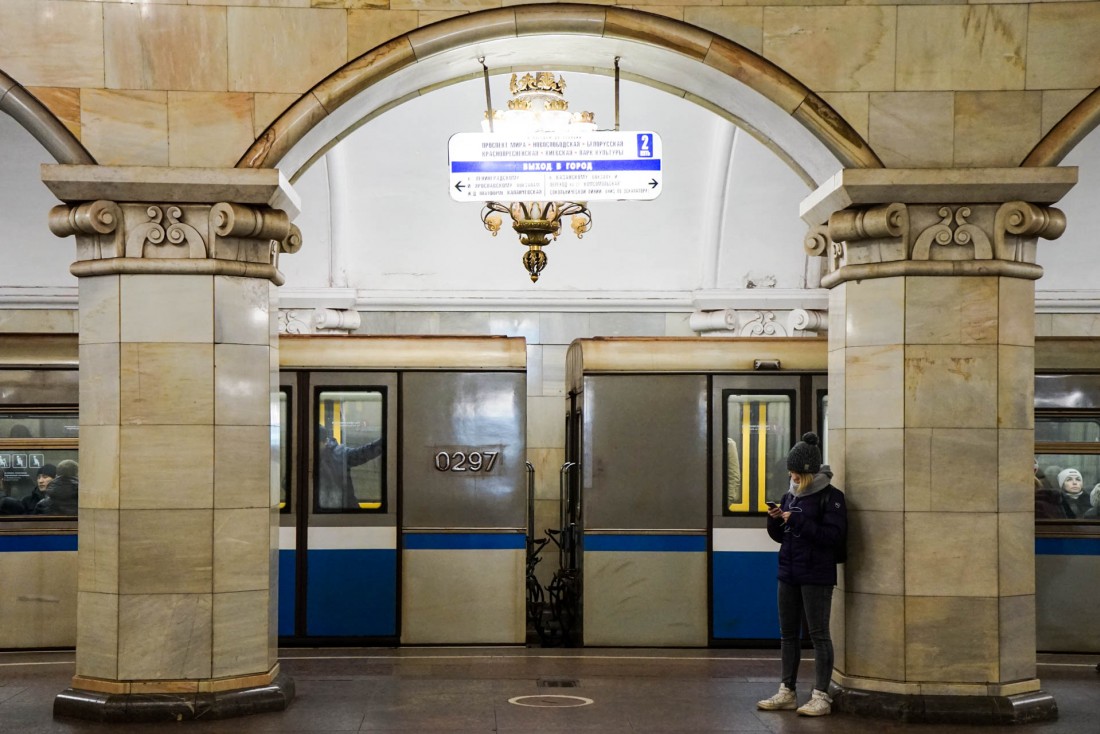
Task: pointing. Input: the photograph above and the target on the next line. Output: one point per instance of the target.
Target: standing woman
(811, 526)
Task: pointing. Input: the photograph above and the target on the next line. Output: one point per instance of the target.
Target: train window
(34, 443)
(1073, 429)
(758, 430)
(1067, 486)
(349, 472)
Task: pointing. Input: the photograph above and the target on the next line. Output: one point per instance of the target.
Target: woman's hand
(776, 511)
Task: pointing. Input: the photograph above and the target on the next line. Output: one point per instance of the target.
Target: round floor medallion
(551, 701)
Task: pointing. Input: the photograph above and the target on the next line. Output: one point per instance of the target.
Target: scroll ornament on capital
(935, 235)
(133, 237)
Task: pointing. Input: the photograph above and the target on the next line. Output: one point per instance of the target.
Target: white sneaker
(785, 700)
(819, 705)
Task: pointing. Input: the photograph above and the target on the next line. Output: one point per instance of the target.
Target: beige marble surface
(150, 46)
(284, 49)
(1059, 37)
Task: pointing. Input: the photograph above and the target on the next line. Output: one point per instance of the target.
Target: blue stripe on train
(743, 595)
(637, 543)
(287, 579)
(352, 593)
(1067, 546)
(464, 541)
(36, 543)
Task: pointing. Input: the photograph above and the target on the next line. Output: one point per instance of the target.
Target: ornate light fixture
(538, 105)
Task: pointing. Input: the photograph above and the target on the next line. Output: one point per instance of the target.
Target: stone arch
(42, 124)
(682, 59)
(1070, 130)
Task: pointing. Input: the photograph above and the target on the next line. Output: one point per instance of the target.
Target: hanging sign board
(588, 166)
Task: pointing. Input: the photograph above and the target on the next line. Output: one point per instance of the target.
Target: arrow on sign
(459, 186)
(652, 183)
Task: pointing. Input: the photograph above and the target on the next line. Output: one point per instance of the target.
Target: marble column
(178, 523)
(931, 433)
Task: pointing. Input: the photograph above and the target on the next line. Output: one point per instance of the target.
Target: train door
(338, 563)
(464, 507)
(755, 420)
(644, 510)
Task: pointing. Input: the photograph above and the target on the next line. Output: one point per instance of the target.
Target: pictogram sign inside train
(590, 166)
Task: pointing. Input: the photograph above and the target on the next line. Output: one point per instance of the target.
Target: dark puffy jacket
(808, 539)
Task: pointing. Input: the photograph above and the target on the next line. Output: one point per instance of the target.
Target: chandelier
(538, 105)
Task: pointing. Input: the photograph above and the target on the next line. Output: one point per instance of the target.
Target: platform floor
(476, 690)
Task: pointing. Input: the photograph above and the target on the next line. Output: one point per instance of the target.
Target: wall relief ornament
(933, 239)
(222, 238)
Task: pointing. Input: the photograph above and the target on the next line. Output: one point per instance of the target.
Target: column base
(122, 707)
(1021, 708)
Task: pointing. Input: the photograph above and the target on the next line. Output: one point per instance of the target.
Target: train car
(654, 426)
(38, 431)
(404, 490)
(430, 545)
(674, 445)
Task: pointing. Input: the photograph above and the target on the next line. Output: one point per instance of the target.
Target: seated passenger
(1048, 502)
(1093, 513)
(1073, 493)
(61, 493)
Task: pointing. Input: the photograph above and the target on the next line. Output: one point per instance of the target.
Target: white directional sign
(555, 166)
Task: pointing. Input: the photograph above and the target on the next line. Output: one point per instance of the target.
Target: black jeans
(816, 602)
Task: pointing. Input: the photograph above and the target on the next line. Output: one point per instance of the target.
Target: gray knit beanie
(805, 457)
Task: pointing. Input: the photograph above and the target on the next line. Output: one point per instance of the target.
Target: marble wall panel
(547, 463)
(875, 313)
(1016, 387)
(1017, 638)
(125, 127)
(950, 554)
(1073, 324)
(240, 633)
(168, 384)
(876, 546)
(242, 380)
(416, 322)
(515, 324)
(1015, 470)
(374, 26)
(875, 459)
(98, 557)
(545, 422)
(954, 47)
(164, 636)
(1016, 538)
(742, 25)
(37, 321)
(100, 398)
(267, 107)
(874, 377)
(64, 103)
(951, 310)
(99, 309)
(97, 635)
(534, 370)
(964, 470)
(165, 551)
(465, 323)
(918, 469)
(284, 49)
(99, 466)
(837, 615)
(164, 47)
(58, 43)
(913, 129)
(1057, 103)
(838, 389)
(563, 327)
(996, 128)
(242, 310)
(951, 639)
(241, 545)
(166, 467)
(1059, 37)
(836, 438)
(553, 371)
(854, 107)
(167, 308)
(833, 49)
(626, 324)
(241, 476)
(838, 317)
(678, 324)
(208, 128)
(950, 386)
(878, 649)
(1016, 312)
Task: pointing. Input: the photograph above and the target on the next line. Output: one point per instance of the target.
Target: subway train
(671, 447)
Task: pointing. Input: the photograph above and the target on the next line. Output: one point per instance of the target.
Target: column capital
(168, 220)
(876, 223)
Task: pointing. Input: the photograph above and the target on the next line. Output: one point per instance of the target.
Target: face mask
(794, 487)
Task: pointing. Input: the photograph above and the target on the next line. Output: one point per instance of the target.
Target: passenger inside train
(62, 492)
(1074, 498)
(335, 485)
